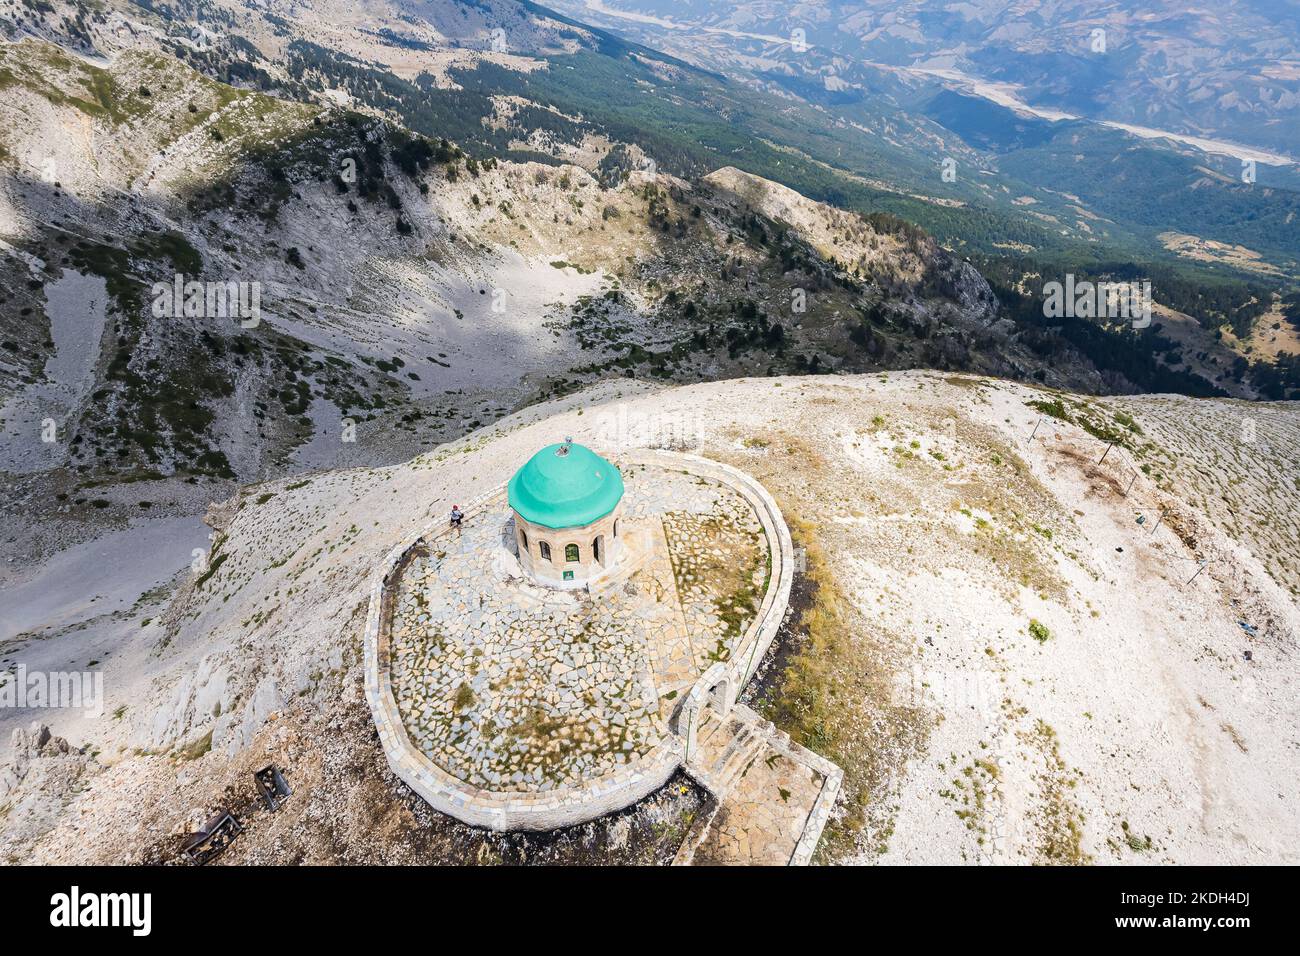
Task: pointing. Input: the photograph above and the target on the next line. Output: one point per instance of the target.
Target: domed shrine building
(566, 502)
(580, 640)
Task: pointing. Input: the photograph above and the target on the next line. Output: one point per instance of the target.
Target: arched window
(616, 521)
(570, 552)
(596, 543)
(546, 551)
(523, 540)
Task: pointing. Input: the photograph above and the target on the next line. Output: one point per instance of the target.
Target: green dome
(565, 486)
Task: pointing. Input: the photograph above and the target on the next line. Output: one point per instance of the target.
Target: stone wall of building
(530, 537)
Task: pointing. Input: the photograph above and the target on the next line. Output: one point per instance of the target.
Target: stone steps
(743, 761)
(724, 748)
(746, 747)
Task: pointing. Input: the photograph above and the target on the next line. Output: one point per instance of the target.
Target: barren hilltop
(1019, 645)
(1036, 616)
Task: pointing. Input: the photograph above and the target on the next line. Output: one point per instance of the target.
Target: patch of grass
(1054, 409)
(1119, 428)
(835, 697)
(1138, 844)
(217, 562)
(1058, 823)
(173, 247)
(974, 792)
(197, 748)
(735, 579)
(1126, 420)
(1039, 631)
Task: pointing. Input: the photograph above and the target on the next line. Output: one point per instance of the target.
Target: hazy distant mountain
(1229, 70)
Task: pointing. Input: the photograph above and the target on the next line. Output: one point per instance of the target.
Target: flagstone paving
(517, 688)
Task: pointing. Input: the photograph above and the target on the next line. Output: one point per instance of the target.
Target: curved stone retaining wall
(558, 808)
(733, 674)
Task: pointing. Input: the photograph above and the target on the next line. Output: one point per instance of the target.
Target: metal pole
(1035, 431)
(1158, 520)
(1106, 452)
(752, 651)
(1204, 564)
(1130, 483)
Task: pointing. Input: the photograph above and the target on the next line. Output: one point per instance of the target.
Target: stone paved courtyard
(516, 688)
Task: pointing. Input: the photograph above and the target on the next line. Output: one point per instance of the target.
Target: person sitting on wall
(456, 516)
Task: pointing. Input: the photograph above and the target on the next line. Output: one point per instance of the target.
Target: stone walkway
(515, 688)
(720, 566)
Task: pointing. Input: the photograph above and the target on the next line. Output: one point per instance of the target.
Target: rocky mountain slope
(1008, 665)
(820, 119)
(405, 290)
